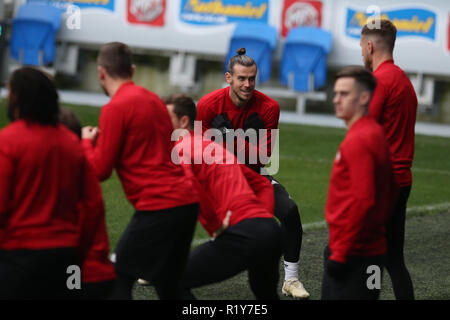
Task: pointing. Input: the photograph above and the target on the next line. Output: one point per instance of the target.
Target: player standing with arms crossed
(241, 106)
(394, 106)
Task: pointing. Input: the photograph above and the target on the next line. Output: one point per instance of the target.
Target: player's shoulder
(390, 73)
(138, 92)
(212, 97)
(132, 95)
(9, 135)
(365, 131)
(11, 128)
(266, 103)
(265, 100)
(67, 134)
(16, 131)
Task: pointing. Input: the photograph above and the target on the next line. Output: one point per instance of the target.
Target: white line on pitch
(323, 223)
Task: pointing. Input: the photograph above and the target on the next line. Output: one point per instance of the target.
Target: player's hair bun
(241, 51)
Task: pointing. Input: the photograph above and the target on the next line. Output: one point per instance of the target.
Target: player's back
(150, 178)
(397, 115)
(47, 168)
(222, 182)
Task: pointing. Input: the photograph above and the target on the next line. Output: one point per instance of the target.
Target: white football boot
(294, 288)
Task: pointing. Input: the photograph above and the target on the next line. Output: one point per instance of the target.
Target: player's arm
(104, 155)
(91, 209)
(6, 180)
(378, 101)
(205, 114)
(261, 186)
(361, 165)
(268, 121)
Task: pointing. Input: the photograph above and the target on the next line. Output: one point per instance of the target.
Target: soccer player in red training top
(240, 106)
(394, 106)
(98, 273)
(135, 139)
(44, 178)
(236, 208)
(360, 194)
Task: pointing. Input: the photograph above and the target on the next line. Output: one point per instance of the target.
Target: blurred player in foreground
(44, 179)
(360, 195)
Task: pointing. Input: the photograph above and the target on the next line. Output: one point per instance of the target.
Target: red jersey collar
(388, 61)
(359, 122)
(124, 85)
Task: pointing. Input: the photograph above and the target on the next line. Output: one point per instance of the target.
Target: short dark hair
(33, 95)
(241, 59)
(70, 120)
(116, 58)
(387, 32)
(364, 79)
(183, 106)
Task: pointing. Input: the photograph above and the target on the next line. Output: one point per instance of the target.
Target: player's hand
(223, 124)
(222, 121)
(225, 224)
(90, 133)
(253, 122)
(336, 270)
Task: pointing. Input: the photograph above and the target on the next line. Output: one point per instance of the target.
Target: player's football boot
(294, 288)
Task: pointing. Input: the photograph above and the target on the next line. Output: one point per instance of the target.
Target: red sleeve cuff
(86, 144)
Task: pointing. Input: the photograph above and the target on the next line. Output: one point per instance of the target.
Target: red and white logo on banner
(448, 33)
(297, 13)
(148, 12)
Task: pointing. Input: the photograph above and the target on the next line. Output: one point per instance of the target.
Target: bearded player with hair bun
(240, 106)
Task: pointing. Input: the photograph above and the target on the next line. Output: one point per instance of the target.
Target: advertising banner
(218, 12)
(146, 12)
(82, 4)
(298, 13)
(410, 22)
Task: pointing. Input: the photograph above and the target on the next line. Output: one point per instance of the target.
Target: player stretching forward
(249, 239)
(135, 139)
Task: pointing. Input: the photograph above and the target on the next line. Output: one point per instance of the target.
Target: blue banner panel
(410, 22)
(217, 12)
(82, 4)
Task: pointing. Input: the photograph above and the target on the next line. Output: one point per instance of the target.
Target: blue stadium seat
(305, 52)
(33, 30)
(259, 40)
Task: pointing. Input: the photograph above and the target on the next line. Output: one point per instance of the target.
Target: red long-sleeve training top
(96, 266)
(44, 177)
(223, 184)
(360, 194)
(268, 110)
(394, 106)
(135, 139)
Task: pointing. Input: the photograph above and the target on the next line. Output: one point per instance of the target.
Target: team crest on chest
(337, 158)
